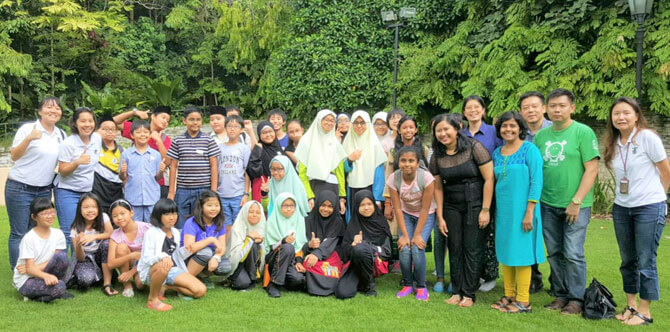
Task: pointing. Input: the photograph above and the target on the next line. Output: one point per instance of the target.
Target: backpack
(420, 179)
(598, 302)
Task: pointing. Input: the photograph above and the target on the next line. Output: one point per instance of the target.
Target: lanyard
(624, 161)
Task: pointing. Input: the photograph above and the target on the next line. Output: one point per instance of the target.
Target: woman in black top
(463, 191)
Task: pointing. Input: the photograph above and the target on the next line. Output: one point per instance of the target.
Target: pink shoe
(422, 294)
(406, 290)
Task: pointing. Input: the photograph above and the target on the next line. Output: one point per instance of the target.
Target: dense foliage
(303, 55)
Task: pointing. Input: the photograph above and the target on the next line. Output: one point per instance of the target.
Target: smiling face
(359, 126)
(624, 117)
(509, 131)
(50, 112)
(326, 209)
(89, 209)
(366, 208)
(121, 216)
(287, 208)
(343, 124)
(267, 135)
(85, 124)
(277, 171)
(169, 219)
(446, 134)
(560, 108)
(45, 218)
(108, 131)
(295, 131)
(474, 111)
(533, 109)
(210, 209)
(408, 163)
(141, 136)
(393, 121)
(193, 122)
(160, 121)
(328, 123)
(217, 121)
(254, 216)
(408, 130)
(277, 121)
(380, 127)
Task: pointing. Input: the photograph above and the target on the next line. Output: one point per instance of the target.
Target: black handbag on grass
(598, 302)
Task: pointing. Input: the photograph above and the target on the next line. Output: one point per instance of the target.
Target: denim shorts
(174, 272)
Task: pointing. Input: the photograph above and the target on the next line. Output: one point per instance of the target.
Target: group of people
(327, 209)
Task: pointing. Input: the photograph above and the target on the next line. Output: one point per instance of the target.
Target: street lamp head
(388, 16)
(407, 12)
(640, 7)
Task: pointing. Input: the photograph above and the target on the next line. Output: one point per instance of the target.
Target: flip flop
(160, 307)
(109, 291)
(645, 320)
(625, 310)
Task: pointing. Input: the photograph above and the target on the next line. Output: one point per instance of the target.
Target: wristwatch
(576, 202)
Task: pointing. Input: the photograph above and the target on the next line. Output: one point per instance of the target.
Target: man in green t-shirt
(570, 152)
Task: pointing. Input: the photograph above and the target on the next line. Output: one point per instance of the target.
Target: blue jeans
(66, 208)
(439, 250)
(638, 231)
(415, 255)
(186, 198)
(565, 252)
(142, 212)
(230, 207)
(17, 199)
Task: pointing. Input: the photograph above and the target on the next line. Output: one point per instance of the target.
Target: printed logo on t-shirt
(595, 145)
(553, 151)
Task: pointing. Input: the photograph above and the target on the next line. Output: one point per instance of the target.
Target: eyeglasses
(276, 170)
(109, 130)
(359, 123)
(234, 126)
(288, 206)
(47, 213)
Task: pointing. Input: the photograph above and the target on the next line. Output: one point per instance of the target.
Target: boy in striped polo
(194, 157)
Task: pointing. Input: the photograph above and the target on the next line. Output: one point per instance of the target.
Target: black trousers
(245, 276)
(281, 265)
(466, 249)
(360, 271)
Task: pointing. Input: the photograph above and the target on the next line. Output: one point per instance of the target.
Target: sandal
(128, 292)
(466, 302)
(160, 307)
(645, 320)
(502, 303)
(109, 291)
(453, 300)
(518, 308)
(622, 316)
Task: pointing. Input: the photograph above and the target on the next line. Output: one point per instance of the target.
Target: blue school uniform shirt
(191, 228)
(141, 188)
(81, 179)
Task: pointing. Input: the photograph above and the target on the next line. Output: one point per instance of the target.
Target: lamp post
(392, 22)
(639, 11)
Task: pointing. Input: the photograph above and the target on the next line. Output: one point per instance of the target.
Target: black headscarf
(331, 227)
(259, 162)
(375, 228)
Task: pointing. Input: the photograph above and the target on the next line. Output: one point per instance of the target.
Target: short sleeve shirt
(141, 187)
(152, 144)
(564, 153)
(232, 165)
(36, 166)
(92, 246)
(81, 179)
(193, 154)
(119, 236)
(192, 228)
(38, 249)
(459, 169)
(487, 136)
(641, 153)
(411, 196)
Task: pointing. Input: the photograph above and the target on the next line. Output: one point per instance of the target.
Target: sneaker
(208, 283)
(422, 294)
(372, 289)
(273, 291)
(439, 287)
(486, 286)
(26, 299)
(184, 297)
(396, 268)
(406, 290)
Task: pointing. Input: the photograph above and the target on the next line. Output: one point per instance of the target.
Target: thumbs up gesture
(35, 133)
(315, 242)
(124, 167)
(290, 238)
(162, 166)
(84, 159)
(357, 239)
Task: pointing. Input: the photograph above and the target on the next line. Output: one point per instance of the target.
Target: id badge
(623, 186)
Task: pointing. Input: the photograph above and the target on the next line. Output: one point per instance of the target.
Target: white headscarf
(239, 231)
(372, 155)
(381, 116)
(319, 151)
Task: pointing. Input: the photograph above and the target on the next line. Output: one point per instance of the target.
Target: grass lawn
(227, 309)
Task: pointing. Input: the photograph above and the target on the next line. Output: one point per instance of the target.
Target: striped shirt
(193, 153)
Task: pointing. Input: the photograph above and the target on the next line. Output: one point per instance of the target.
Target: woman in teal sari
(519, 244)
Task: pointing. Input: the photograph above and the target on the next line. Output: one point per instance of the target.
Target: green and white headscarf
(279, 227)
(290, 183)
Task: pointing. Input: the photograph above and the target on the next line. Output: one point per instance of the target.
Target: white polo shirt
(81, 179)
(36, 166)
(644, 187)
